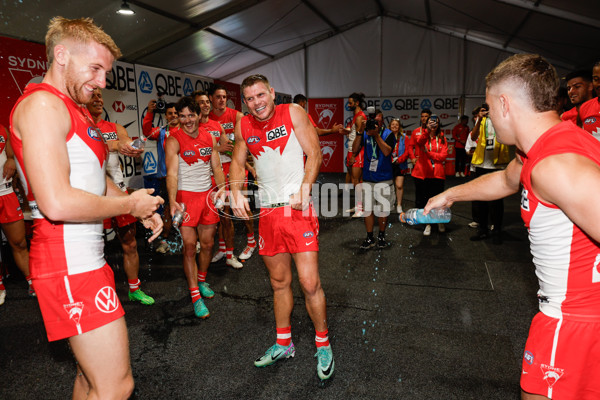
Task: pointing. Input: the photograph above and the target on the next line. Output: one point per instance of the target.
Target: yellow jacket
(501, 155)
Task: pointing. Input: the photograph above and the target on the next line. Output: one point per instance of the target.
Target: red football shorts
(120, 221)
(200, 210)
(358, 160)
(10, 209)
(75, 304)
(284, 230)
(562, 359)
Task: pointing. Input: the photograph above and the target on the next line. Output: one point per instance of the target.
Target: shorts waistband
(275, 205)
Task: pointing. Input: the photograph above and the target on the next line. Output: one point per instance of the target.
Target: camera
(161, 104)
(371, 122)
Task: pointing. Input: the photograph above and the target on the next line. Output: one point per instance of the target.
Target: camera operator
(489, 156)
(160, 134)
(379, 194)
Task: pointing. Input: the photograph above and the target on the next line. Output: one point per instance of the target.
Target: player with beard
(118, 141)
(62, 161)
(580, 90)
(277, 137)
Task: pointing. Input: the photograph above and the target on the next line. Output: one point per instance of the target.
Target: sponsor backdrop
(408, 110)
(130, 87)
(326, 113)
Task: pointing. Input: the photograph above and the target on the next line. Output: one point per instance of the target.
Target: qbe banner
(172, 85)
(325, 113)
(408, 111)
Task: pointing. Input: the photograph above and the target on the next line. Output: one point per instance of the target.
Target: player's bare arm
(10, 166)
(47, 164)
(239, 203)
(172, 163)
(571, 182)
(123, 145)
(309, 141)
(488, 187)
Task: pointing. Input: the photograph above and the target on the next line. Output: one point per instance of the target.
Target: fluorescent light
(125, 10)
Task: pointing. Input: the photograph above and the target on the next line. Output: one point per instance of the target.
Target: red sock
(251, 241)
(201, 276)
(222, 245)
(321, 338)
(229, 253)
(195, 293)
(284, 336)
(134, 284)
(27, 278)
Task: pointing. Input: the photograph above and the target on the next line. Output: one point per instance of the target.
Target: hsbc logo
(253, 140)
(106, 300)
(405, 117)
(118, 106)
(205, 151)
(444, 116)
(189, 153)
(276, 133)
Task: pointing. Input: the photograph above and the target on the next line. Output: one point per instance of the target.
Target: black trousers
(483, 209)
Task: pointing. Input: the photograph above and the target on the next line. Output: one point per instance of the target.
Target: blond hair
(534, 74)
(81, 30)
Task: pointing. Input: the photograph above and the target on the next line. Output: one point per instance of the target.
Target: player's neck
(96, 118)
(219, 112)
(204, 119)
(530, 131)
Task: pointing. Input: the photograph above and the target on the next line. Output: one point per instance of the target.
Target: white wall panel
(346, 63)
(286, 75)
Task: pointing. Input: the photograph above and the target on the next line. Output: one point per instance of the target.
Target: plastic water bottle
(219, 204)
(139, 143)
(178, 217)
(415, 216)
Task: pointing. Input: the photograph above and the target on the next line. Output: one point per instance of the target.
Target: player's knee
(189, 249)
(280, 283)
(118, 389)
(129, 247)
(310, 286)
(19, 245)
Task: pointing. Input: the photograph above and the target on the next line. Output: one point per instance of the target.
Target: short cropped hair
(300, 97)
(584, 74)
(252, 80)
(81, 30)
(534, 74)
(214, 87)
(198, 93)
(189, 102)
(426, 111)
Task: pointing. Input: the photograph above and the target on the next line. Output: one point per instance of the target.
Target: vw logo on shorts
(106, 300)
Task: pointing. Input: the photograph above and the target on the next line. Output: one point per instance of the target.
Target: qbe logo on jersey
(276, 133)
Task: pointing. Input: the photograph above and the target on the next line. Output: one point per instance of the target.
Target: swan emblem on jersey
(551, 374)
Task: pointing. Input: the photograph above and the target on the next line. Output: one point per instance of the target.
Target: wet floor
(436, 317)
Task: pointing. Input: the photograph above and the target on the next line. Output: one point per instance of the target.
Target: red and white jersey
(227, 121)
(352, 127)
(590, 115)
(6, 185)
(567, 261)
(212, 127)
(113, 166)
(57, 247)
(570, 115)
(278, 156)
(194, 161)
